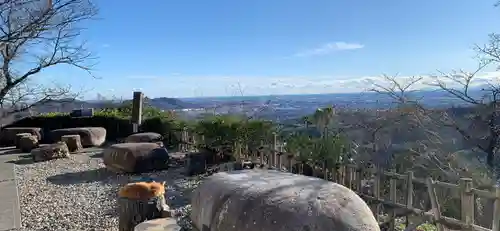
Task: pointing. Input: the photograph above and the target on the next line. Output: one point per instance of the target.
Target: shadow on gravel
(97, 155)
(8, 151)
(24, 161)
(90, 176)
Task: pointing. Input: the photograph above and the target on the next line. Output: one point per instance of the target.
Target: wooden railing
(353, 176)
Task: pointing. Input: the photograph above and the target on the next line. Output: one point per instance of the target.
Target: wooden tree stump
(28, 143)
(73, 141)
(139, 202)
(18, 138)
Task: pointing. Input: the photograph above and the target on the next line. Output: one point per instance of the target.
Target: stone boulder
(8, 135)
(135, 157)
(144, 137)
(256, 200)
(28, 143)
(50, 151)
(90, 136)
(73, 142)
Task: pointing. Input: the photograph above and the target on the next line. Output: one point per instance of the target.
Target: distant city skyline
(193, 49)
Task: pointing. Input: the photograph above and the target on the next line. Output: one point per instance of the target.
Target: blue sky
(188, 48)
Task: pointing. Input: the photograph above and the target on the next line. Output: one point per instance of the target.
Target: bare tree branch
(36, 35)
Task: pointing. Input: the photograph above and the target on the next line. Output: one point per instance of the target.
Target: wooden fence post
(336, 175)
(278, 160)
(467, 201)
(325, 170)
(496, 211)
(376, 191)
(301, 166)
(184, 139)
(359, 177)
(290, 160)
(237, 147)
(434, 202)
(274, 150)
(270, 156)
(261, 153)
(409, 194)
(393, 198)
(347, 176)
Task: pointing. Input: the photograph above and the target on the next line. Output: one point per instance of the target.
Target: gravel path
(79, 194)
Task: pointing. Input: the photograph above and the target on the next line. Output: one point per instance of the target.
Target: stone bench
(50, 151)
(73, 142)
(267, 200)
(90, 136)
(150, 137)
(8, 135)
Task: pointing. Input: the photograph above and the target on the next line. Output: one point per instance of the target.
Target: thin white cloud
(189, 86)
(105, 45)
(330, 48)
(153, 77)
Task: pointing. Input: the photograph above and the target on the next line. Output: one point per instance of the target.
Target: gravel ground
(79, 194)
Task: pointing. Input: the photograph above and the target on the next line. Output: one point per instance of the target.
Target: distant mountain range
(276, 107)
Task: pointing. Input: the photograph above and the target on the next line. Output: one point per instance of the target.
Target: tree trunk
(132, 212)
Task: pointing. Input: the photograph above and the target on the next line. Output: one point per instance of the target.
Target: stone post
(137, 110)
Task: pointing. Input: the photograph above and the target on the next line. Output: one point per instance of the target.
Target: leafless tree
(476, 121)
(36, 35)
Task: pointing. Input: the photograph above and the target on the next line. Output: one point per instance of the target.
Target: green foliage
(165, 124)
(301, 146)
(53, 114)
(327, 149)
(423, 227)
(111, 112)
(227, 130)
(124, 110)
(219, 130)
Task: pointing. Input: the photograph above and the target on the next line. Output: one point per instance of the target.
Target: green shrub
(227, 130)
(168, 127)
(219, 130)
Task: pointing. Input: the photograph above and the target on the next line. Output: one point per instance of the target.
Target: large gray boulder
(260, 200)
(135, 157)
(90, 136)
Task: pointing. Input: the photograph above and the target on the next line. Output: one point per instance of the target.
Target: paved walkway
(10, 216)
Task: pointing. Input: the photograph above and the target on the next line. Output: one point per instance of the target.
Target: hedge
(116, 127)
(217, 129)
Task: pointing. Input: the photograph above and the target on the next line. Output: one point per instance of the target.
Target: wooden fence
(352, 176)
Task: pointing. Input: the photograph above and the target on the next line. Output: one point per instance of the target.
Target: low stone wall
(260, 200)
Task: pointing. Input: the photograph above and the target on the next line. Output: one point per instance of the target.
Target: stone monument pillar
(137, 110)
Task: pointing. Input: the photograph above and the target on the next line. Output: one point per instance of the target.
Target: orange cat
(142, 190)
